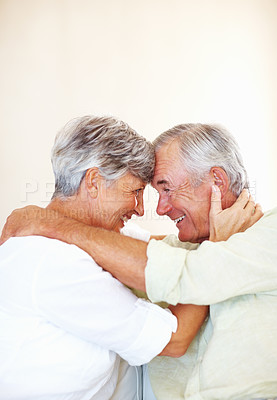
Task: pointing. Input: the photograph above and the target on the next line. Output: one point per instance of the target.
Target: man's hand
(224, 223)
(30, 220)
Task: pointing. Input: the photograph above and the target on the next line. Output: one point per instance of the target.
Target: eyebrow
(162, 182)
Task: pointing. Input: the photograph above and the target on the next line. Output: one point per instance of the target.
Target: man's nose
(163, 206)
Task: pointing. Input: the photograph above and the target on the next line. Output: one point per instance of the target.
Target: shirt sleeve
(136, 232)
(244, 264)
(71, 291)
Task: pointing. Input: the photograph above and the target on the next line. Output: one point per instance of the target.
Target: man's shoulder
(271, 213)
(269, 220)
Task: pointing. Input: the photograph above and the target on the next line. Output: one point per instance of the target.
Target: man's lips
(179, 219)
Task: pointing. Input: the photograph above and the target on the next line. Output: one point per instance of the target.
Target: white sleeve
(136, 232)
(244, 264)
(74, 293)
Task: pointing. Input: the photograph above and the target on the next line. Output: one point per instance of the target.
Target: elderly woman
(69, 330)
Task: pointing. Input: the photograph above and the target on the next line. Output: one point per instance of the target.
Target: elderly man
(235, 354)
(64, 321)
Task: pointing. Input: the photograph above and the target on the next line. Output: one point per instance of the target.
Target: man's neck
(228, 200)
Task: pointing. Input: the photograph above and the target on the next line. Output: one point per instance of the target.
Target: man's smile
(177, 220)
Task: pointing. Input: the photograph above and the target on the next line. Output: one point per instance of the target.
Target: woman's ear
(220, 179)
(92, 181)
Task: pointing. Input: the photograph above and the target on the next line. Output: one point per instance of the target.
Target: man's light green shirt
(234, 356)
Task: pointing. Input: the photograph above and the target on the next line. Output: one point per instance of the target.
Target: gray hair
(205, 146)
(103, 142)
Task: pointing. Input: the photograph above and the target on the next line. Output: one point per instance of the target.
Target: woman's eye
(137, 192)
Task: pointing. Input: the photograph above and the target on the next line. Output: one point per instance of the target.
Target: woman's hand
(237, 218)
(30, 220)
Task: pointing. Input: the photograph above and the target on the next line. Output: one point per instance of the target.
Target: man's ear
(92, 178)
(220, 179)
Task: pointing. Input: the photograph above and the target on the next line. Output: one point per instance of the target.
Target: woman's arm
(190, 319)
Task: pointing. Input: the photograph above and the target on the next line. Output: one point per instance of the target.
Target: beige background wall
(153, 63)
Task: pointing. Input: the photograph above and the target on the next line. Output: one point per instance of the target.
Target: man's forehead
(168, 155)
(170, 175)
(172, 145)
(164, 177)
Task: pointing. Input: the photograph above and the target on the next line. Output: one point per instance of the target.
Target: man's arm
(124, 257)
(245, 264)
(128, 250)
(121, 255)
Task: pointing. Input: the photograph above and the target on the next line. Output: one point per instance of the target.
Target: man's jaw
(183, 229)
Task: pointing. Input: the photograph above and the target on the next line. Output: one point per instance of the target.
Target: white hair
(103, 142)
(205, 146)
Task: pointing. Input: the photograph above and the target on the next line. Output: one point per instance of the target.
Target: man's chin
(186, 237)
